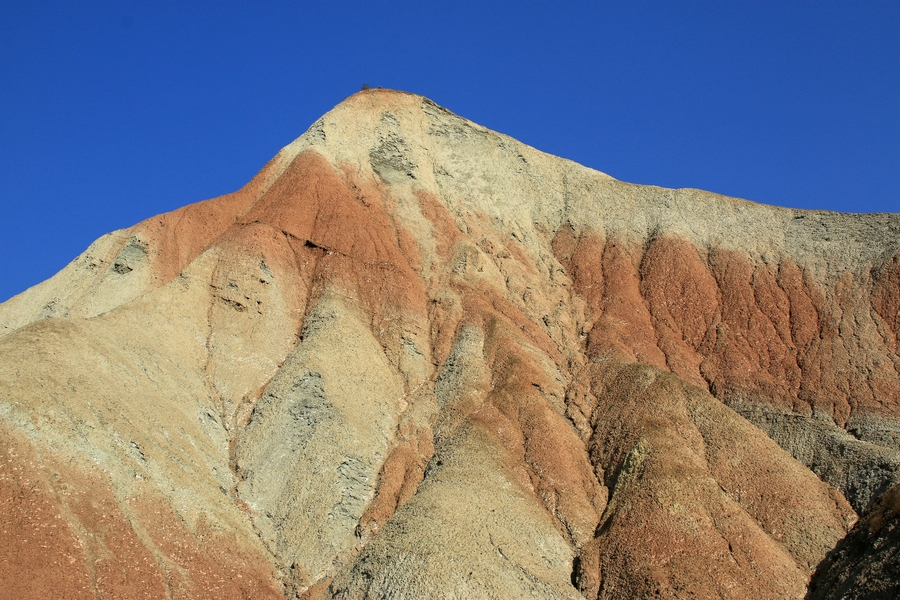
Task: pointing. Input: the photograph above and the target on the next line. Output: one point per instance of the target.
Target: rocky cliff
(416, 358)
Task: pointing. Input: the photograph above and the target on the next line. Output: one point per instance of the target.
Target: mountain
(415, 358)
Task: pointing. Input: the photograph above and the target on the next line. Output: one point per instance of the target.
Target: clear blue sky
(111, 112)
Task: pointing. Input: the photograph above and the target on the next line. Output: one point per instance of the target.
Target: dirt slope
(415, 358)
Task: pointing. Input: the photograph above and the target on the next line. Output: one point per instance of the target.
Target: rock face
(415, 358)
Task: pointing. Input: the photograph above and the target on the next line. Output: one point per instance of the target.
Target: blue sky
(111, 112)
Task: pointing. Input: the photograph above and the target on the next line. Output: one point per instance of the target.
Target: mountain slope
(416, 358)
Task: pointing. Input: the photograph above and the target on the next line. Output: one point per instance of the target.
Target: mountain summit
(415, 358)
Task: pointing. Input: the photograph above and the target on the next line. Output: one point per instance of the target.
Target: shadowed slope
(865, 563)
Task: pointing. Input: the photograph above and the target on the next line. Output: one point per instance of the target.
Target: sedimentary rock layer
(417, 358)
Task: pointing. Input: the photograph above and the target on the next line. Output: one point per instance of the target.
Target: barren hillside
(415, 358)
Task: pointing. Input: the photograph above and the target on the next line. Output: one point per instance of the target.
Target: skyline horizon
(117, 112)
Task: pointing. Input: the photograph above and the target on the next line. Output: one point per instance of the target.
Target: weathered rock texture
(415, 358)
(866, 563)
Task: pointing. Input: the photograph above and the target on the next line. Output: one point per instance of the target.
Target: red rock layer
(742, 328)
(178, 237)
(64, 534)
(703, 504)
(886, 298)
(340, 223)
